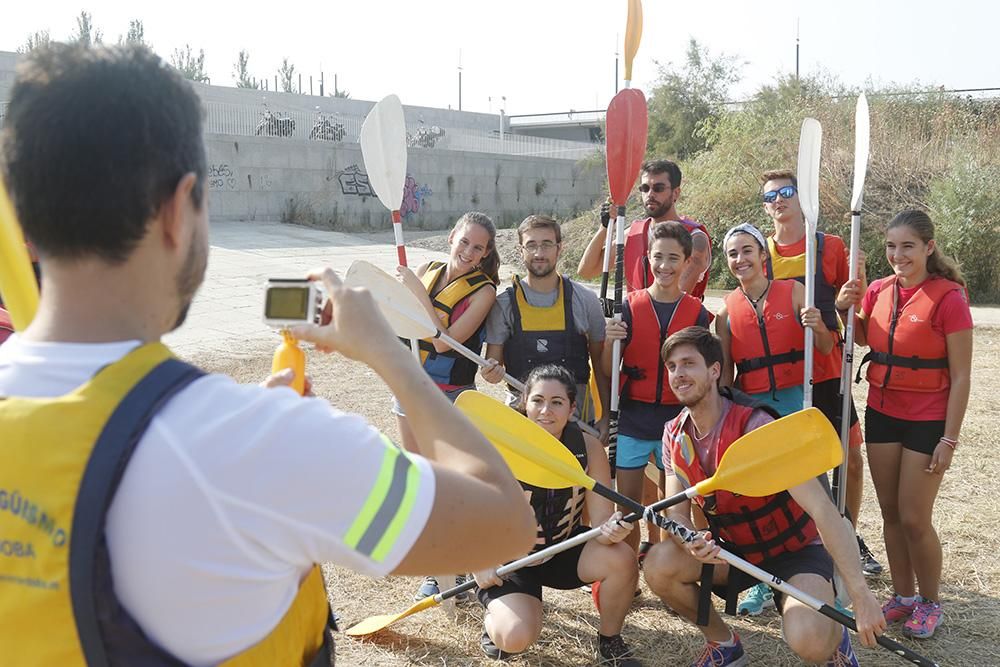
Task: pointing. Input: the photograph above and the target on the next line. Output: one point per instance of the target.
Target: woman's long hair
(490, 263)
(938, 263)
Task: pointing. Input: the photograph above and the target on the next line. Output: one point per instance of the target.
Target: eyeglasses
(786, 192)
(657, 188)
(544, 246)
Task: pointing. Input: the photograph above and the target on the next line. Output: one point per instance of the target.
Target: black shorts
(813, 559)
(917, 436)
(559, 572)
(826, 397)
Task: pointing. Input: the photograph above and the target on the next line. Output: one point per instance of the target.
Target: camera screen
(287, 303)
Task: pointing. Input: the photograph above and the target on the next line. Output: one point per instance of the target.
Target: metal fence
(242, 120)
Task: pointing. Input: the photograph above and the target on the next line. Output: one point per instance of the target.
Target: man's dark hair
(96, 139)
(779, 175)
(664, 167)
(539, 222)
(707, 344)
(671, 229)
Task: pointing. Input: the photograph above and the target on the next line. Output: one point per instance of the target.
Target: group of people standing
(153, 513)
(686, 395)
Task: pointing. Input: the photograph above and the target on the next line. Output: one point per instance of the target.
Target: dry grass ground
(966, 514)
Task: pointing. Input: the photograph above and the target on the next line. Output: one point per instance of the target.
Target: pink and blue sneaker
(895, 610)
(926, 618)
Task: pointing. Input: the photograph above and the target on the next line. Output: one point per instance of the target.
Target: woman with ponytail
(918, 325)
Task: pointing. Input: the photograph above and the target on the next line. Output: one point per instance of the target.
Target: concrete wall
(309, 182)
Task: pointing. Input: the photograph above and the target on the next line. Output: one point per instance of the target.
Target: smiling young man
(797, 535)
(545, 318)
(786, 259)
(660, 188)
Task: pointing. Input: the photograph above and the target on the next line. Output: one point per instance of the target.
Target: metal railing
(248, 121)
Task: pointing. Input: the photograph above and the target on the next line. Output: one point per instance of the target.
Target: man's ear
(715, 371)
(677, 194)
(173, 210)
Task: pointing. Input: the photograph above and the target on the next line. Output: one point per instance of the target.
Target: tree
(36, 40)
(136, 34)
(86, 34)
(190, 66)
(241, 73)
(285, 75)
(685, 103)
(343, 94)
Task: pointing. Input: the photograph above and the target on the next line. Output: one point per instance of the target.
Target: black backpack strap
(89, 562)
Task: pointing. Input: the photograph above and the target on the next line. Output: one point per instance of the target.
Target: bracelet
(951, 442)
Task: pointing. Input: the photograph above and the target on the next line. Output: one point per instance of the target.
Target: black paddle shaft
(688, 535)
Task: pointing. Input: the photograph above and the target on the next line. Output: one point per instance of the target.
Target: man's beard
(190, 277)
(691, 401)
(541, 273)
(658, 212)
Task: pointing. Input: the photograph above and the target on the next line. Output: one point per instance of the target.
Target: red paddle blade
(627, 125)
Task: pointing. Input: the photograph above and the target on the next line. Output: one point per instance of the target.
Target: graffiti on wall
(353, 181)
(413, 197)
(221, 177)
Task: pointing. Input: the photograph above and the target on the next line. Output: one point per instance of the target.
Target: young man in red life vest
(786, 249)
(797, 535)
(648, 317)
(660, 187)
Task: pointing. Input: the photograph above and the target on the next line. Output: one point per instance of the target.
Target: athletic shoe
(614, 651)
(870, 566)
(844, 656)
(925, 620)
(491, 650)
(895, 611)
(757, 599)
(644, 548)
(716, 655)
(464, 596)
(427, 589)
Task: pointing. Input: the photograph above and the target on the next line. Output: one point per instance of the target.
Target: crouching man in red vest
(796, 535)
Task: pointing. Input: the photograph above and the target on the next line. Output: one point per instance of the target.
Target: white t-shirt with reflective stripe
(233, 494)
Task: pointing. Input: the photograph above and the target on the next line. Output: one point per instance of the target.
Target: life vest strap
(757, 363)
(89, 559)
(886, 359)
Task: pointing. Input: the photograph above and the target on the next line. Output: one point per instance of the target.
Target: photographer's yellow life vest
(61, 460)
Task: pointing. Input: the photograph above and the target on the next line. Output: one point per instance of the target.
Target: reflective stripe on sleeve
(382, 517)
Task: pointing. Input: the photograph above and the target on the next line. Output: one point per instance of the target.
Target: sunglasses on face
(657, 188)
(786, 192)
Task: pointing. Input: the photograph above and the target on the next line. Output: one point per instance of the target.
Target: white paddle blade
(862, 131)
(807, 172)
(398, 304)
(383, 147)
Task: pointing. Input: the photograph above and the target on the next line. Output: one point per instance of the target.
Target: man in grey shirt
(546, 318)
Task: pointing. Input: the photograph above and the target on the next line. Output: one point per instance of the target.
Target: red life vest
(642, 355)
(756, 528)
(638, 274)
(768, 350)
(6, 326)
(906, 352)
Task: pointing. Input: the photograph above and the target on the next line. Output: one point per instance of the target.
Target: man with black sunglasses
(660, 188)
(786, 249)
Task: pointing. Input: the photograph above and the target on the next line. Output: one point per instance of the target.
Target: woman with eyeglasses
(513, 618)
(786, 260)
(918, 325)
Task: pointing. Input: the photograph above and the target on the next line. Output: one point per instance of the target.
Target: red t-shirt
(951, 316)
(836, 270)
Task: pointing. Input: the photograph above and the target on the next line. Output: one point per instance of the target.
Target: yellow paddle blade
(17, 279)
(533, 455)
(777, 456)
(633, 34)
(373, 624)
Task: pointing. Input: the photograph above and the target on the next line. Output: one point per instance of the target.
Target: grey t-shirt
(588, 316)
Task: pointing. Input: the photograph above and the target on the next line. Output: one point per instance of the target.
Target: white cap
(745, 228)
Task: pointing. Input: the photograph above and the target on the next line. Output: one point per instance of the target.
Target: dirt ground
(965, 513)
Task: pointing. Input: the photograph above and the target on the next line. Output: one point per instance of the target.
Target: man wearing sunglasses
(660, 188)
(786, 249)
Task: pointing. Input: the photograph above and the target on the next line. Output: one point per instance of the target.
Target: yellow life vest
(61, 460)
(450, 367)
(794, 268)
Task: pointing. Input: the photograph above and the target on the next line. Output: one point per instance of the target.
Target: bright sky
(546, 55)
